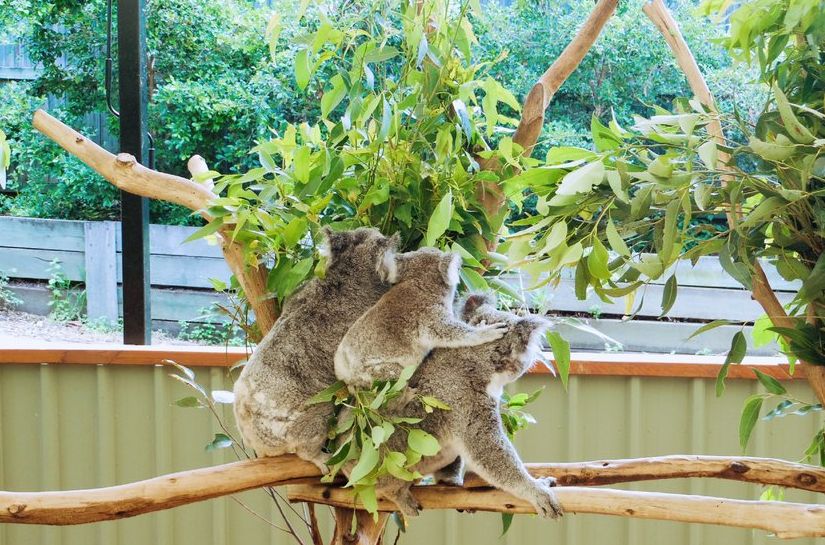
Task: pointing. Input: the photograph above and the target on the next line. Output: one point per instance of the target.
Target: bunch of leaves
(513, 415)
(66, 302)
(786, 405)
(8, 299)
(405, 118)
(361, 432)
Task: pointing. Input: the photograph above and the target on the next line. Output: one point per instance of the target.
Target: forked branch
(165, 492)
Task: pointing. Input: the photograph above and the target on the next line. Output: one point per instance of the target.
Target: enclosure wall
(79, 426)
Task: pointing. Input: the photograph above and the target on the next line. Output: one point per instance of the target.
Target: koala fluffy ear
(449, 266)
(473, 301)
(529, 331)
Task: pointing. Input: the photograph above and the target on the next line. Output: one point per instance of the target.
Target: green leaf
(669, 294)
(738, 348)
(189, 401)
(206, 230)
(708, 154)
(334, 96)
(440, 219)
(302, 69)
(422, 442)
(327, 394)
(506, 522)
(582, 179)
(760, 334)
(220, 441)
(366, 462)
(561, 354)
(750, 414)
(435, 403)
(814, 284)
(381, 54)
(597, 261)
(795, 129)
(367, 496)
(771, 384)
(707, 327)
(615, 240)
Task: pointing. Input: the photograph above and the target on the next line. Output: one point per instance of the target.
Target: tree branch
(762, 291)
(126, 173)
(168, 491)
(786, 520)
(532, 115)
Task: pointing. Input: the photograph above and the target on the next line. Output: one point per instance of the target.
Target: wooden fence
(180, 273)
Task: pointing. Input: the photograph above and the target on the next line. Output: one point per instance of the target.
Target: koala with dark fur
(415, 316)
(471, 381)
(295, 359)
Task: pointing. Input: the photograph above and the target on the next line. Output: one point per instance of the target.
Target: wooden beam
(785, 520)
(165, 492)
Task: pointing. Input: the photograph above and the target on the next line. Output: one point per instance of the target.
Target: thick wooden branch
(165, 492)
(762, 292)
(532, 115)
(126, 173)
(785, 520)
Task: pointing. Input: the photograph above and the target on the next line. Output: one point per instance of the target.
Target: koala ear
(472, 303)
(529, 331)
(387, 265)
(449, 266)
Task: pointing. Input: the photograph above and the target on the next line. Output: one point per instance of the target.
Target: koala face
(520, 346)
(361, 251)
(430, 264)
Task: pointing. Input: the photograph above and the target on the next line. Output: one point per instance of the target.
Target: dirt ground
(15, 326)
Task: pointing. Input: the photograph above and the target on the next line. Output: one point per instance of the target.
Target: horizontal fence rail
(181, 289)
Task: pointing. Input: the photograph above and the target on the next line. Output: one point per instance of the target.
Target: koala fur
(413, 317)
(295, 359)
(470, 381)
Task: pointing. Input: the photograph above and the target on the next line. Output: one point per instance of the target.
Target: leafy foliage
(65, 304)
(359, 437)
(8, 299)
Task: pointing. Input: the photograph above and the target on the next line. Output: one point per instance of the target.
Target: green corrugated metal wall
(64, 427)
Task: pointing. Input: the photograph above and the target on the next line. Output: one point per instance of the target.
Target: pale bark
(762, 291)
(786, 520)
(165, 492)
(126, 173)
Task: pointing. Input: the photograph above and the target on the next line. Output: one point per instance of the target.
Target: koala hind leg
(452, 474)
(398, 492)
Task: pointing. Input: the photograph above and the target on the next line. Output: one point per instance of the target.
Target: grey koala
(413, 317)
(471, 381)
(295, 359)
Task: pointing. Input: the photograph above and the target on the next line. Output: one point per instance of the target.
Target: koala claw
(547, 505)
(547, 481)
(450, 480)
(493, 332)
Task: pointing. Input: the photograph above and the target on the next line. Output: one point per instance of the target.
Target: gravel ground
(15, 326)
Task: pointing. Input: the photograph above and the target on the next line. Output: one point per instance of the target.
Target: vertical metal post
(131, 29)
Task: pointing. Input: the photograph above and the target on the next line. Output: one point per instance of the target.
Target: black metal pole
(131, 29)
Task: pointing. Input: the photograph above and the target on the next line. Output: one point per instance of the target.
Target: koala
(413, 317)
(471, 380)
(295, 359)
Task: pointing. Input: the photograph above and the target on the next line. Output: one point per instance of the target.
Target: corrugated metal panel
(66, 426)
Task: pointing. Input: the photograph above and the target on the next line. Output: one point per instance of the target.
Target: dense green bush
(217, 89)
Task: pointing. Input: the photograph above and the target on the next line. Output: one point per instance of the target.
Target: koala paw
(547, 481)
(546, 503)
(492, 332)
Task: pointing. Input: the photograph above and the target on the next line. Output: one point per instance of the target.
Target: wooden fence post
(101, 270)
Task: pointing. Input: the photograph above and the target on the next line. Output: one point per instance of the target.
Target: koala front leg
(451, 333)
(488, 452)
